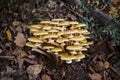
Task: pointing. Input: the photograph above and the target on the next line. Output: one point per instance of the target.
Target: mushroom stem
(70, 36)
(76, 43)
(73, 52)
(68, 61)
(50, 40)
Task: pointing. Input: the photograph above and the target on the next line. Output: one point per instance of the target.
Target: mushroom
(78, 57)
(46, 27)
(67, 58)
(33, 29)
(64, 25)
(74, 48)
(30, 44)
(60, 34)
(58, 20)
(38, 26)
(39, 33)
(82, 31)
(35, 39)
(71, 32)
(52, 31)
(62, 40)
(50, 37)
(56, 50)
(77, 39)
(47, 47)
(78, 26)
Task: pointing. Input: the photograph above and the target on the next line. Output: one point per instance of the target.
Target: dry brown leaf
(46, 77)
(20, 40)
(95, 76)
(106, 64)
(34, 70)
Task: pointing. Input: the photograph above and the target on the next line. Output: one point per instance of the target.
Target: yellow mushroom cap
(77, 38)
(65, 24)
(38, 26)
(58, 28)
(73, 22)
(61, 40)
(54, 23)
(35, 39)
(50, 36)
(56, 49)
(46, 27)
(71, 31)
(48, 47)
(58, 20)
(40, 33)
(78, 26)
(74, 47)
(30, 44)
(60, 33)
(86, 43)
(86, 33)
(45, 22)
(67, 57)
(80, 56)
(83, 49)
(52, 31)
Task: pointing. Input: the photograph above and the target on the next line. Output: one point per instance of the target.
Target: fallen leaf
(21, 55)
(46, 77)
(16, 23)
(34, 70)
(9, 35)
(95, 76)
(20, 40)
(106, 64)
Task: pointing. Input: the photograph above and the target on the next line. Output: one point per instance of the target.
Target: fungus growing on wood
(65, 39)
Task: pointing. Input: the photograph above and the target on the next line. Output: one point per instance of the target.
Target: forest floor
(19, 62)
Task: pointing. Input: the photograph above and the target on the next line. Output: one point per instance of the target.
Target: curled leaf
(9, 35)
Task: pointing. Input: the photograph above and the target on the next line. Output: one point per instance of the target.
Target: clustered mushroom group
(66, 39)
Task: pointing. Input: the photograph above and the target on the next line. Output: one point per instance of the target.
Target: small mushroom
(78, 26)
(78, 57)
(64, 25)
(48, 48)
(30, 44)
(67, 58)
(77, 39)
(50, 37)
(33, 29)
(45, 22)
(74, 48)
(70, 33)
(46, 27)
(39, 33)
(37, 26)
(56, 50)
(62, 40)
(35, 39)
(58, 20)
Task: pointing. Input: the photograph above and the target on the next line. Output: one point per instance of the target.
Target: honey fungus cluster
(66, 39)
